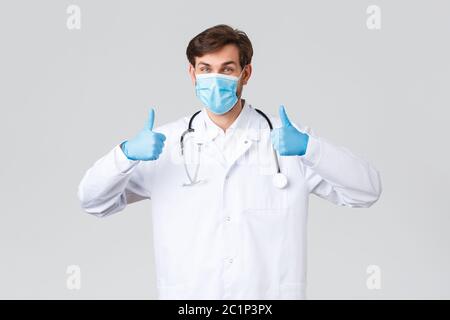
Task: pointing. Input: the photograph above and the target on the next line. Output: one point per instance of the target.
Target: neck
(225, 120)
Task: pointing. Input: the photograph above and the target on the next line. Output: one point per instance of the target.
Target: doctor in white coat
(230, 201)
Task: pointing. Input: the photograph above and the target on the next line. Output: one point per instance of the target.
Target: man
(228, 222)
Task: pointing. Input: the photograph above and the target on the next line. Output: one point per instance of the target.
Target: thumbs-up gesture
(147, 144)
(287, 140)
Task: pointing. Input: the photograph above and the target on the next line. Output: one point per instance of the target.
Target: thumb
(151, 119)
(284, 118)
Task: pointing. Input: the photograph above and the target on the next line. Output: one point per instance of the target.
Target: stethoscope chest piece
(280, 180)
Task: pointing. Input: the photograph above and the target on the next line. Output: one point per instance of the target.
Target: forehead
(229, 52)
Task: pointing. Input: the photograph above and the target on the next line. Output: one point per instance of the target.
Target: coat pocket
(259, 193)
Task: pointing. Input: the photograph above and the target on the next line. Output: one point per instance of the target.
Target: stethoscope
(279, 179)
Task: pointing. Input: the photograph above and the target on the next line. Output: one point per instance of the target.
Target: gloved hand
(146, 145)
(287, 140)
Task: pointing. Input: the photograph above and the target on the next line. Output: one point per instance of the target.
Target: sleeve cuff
(123, 164)
(313, 152)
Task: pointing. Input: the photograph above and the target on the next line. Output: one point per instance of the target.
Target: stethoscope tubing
(190, 129)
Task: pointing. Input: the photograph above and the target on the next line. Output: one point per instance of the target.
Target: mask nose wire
(239, 78)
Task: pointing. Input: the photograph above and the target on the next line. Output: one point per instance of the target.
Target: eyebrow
(223, 64)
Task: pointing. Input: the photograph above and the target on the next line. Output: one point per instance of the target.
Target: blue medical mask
(217, 91)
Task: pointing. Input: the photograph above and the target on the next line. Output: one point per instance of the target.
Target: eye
(228, 70)
(204, 69)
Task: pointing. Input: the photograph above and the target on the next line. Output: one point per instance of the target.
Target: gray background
(68, 96)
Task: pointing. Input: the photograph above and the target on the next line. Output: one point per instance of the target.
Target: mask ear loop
(239, 79)
(242, 71)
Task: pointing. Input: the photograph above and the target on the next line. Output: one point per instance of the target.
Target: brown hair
(217, 37)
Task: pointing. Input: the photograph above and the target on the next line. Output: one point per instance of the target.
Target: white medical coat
(234, 236)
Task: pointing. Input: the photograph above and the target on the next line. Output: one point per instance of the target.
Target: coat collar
(206, 130)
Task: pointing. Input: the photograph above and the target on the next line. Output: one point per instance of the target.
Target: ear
(247, 74)
(191, 71)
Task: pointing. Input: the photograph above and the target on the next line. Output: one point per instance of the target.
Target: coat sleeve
(336, 174)
(113, 182)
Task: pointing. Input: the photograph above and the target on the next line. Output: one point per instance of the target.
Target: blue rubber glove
(146, 145)
(287, 140)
